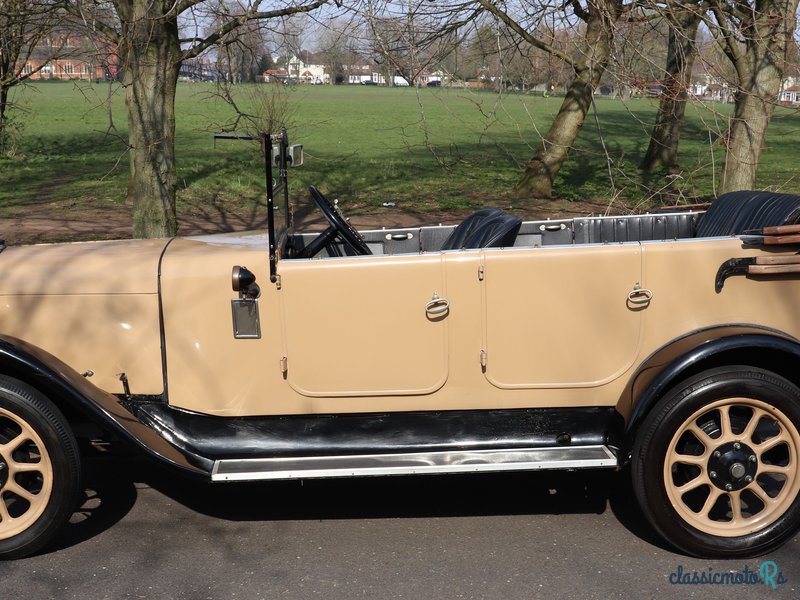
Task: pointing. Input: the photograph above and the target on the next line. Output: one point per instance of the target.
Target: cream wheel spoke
(762, 495)
(779, 439)
(701, 436)
(736, 506)
(20, 491)
(785, 471)
(693, 484)
(748, 432)
(689, 459)
(726, 432)
(8, 448)
(710, 501)
(18, 467)
(5, 517)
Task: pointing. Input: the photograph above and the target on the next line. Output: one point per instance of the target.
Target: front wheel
(39, 470)
(715, 463)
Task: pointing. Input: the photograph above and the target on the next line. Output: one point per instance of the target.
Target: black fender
(742, 344)
(68, 389)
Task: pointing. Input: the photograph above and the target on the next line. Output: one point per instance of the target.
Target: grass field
(426, 150)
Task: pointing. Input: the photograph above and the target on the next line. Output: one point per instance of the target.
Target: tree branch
(237, 21)
(532, 40)
(93, 23)
(728, 42)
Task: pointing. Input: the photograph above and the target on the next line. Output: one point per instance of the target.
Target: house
(790, 96)
(198, 69)
(297, 70)
(70, 56)
(362, 73)
(275, 76)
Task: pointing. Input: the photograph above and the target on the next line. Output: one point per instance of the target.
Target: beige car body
(530, 327)
(230, 357)
(627, 342)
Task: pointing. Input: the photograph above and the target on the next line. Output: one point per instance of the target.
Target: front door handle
(437, 306)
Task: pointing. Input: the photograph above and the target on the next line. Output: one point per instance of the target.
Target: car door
(561, 317)
(358, 326)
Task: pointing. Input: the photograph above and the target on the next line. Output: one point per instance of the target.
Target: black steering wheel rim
(343, 229)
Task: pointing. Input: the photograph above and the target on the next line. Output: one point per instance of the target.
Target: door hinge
(284, 365)
(483, 358)
(481, 272)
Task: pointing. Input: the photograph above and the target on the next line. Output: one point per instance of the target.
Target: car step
(418, 463)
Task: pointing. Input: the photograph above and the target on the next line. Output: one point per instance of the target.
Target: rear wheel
(715, 464)
(39, 470)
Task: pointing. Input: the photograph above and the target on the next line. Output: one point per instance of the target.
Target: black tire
(715, 463)
(39, 470)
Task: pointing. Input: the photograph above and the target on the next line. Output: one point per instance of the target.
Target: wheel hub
(732, 466)
(3, 473)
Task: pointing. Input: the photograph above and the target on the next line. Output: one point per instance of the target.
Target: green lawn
(369, 145)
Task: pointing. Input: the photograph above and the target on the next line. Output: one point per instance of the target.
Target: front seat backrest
(497, 232)
(456, 239)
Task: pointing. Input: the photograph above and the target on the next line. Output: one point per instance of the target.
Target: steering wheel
(338, 227)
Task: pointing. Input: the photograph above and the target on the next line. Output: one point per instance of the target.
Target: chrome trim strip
(473, 461)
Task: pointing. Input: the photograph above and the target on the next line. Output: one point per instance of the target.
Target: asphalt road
(560, 535)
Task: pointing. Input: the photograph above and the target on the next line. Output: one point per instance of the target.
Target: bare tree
(240, 53)
(662, 150)
(410, 36)
(756, 37)
(151, 50)
(26, 30)
(588, 62)
(338, 47)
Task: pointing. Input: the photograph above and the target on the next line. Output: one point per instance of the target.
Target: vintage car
(665, 344)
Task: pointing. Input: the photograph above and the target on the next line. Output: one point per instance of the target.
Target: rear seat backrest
(737, 212)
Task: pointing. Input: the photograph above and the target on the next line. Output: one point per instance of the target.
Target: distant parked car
(435, 83)
(368, 82)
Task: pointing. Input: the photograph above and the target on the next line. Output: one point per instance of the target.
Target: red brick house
(70, 56)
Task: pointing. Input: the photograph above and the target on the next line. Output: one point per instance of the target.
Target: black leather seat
(497, 232)
(736, 212)
(456, 239)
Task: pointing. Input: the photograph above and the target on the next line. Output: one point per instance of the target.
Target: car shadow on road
(111, 492)
(429, 496)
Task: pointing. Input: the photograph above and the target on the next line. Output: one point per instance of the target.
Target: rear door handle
(437, 306)
(640, 295)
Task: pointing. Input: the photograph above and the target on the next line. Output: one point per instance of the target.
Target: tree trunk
(537, 182)
(663, 148)
(3, 105)
(151, 59)
(589, 65)
(759, 68)
(745, 137)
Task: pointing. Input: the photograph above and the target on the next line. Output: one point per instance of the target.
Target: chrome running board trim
(418, 463)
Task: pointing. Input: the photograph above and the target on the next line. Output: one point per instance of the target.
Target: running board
(419, 463)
